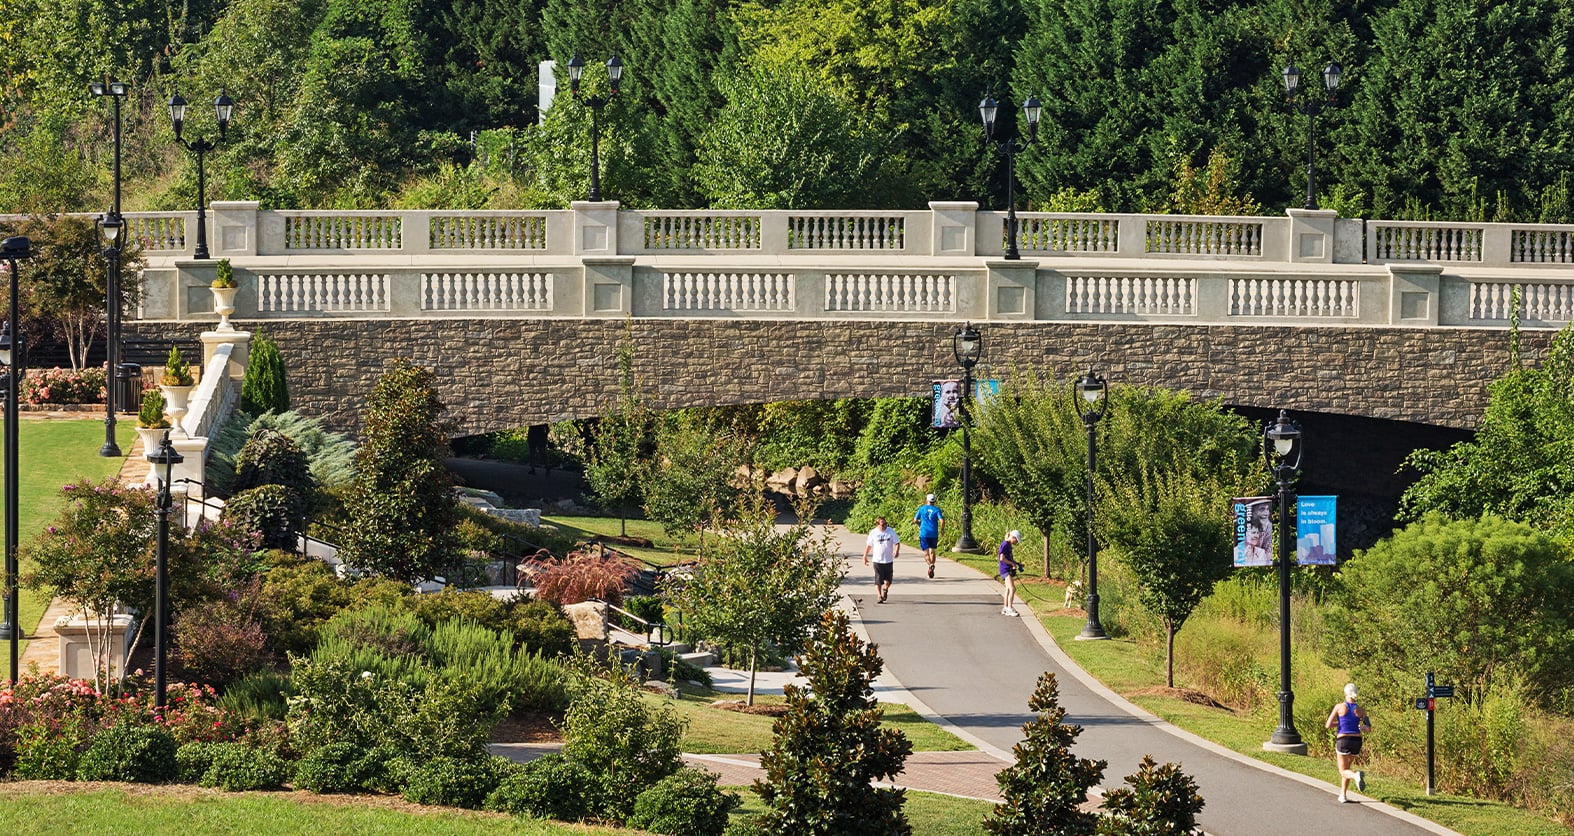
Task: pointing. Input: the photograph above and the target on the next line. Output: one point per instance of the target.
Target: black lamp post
(1091, 395)
(1281, 450)
(201, 146)
(576, 68)
(111, 225)
(987, 109)
(968, 345)
(12, 249)
(163, 461)
(1311, 106)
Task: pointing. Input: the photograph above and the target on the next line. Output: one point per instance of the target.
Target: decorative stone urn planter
(224, 305)
(151, 437)
(176, 401)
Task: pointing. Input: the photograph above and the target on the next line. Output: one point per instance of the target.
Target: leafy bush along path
(948, 645)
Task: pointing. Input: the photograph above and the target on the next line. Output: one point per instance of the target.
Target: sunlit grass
(51, 453)
(930, 814)
(26, 811)
(664, 551)
(717, 731)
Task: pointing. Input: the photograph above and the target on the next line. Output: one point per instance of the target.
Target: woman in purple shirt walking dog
(1009, 567)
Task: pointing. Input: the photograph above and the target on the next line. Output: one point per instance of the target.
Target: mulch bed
(532, 727)
(742, 707)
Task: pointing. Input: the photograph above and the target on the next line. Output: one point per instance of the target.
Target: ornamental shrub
(129, 752)
(1045, 788)
(176, 372)
(338, 767)
(400, 508)
(62, 386)
(237, 767)
(628, 743)
(192, 760)
(270, 457)
(331, 455)
(1160, 801)
(550, 786)
(272, 512)
(51, 752)
(452, 781)
(542, 626)
(151, 415)
(263, 388)
(685, 803)
(583, 575)
(220, 641)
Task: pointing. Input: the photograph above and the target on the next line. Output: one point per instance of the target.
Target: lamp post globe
(1311, 105)
(12, 250)
(576, 71)
(988, 112)
(223, 109)
(1090, 395)
(967, 345)
(1282, 454)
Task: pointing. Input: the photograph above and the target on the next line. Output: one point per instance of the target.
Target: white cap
(929, 498)
(1014, 535)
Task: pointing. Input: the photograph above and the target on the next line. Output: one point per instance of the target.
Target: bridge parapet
(945, 263)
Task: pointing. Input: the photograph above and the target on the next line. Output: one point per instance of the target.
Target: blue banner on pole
(1253, 531)
(1315, 540)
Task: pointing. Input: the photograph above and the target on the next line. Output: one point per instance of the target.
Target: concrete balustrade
(1308, 267)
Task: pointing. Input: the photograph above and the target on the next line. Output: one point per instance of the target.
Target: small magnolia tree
(1044, 790)
(401, 507)
(829, 746)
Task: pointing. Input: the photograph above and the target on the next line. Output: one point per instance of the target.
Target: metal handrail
(656, 634)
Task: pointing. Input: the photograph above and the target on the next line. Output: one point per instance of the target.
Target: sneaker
(1343, 799)
(1360, 781)
(1012, 613)
(931, 570)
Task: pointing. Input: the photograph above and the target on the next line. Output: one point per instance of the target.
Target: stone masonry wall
(497, 374)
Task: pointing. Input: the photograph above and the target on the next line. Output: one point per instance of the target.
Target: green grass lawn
(31, 808)
(665, 551)
(52, 453)
(929, 813)
(715, 731)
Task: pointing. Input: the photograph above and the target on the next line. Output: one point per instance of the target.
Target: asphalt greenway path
(967, 667)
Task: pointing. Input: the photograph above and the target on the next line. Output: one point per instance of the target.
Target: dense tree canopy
(1448, 108)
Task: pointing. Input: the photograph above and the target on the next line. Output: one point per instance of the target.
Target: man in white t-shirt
(883, 545)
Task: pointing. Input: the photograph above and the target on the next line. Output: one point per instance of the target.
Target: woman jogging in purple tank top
(1349, 721)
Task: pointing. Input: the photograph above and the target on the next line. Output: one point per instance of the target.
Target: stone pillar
(595, 227)
(954, 227)
(234, 228)
(1311, 236)
(1414, 299)
(240, 350)
(609, 287)
(78, 637)
(1012, 290)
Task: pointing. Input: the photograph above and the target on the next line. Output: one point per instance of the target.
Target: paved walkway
(971, 669)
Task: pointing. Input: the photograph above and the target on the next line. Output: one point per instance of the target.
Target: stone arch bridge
(520, 313)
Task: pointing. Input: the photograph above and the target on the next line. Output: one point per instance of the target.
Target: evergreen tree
(263, 388)
(829, 746)
(1043, 791)
(1161, 801)
(400, 507)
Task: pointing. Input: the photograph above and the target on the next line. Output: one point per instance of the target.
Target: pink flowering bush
(47, 720)
(63, 386)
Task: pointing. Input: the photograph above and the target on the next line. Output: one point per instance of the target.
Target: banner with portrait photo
(1315, 541)
(947, 407)
(1253, 530)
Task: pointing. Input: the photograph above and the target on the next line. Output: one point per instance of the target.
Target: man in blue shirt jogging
(930, 523)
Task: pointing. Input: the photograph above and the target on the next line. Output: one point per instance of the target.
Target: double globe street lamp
(12, 250)
(110, 225)
(576, 69)
(1281, 451)
(1090, 394)
(988, 109)
(1311, 105)
(222, 106)
(967, 344)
